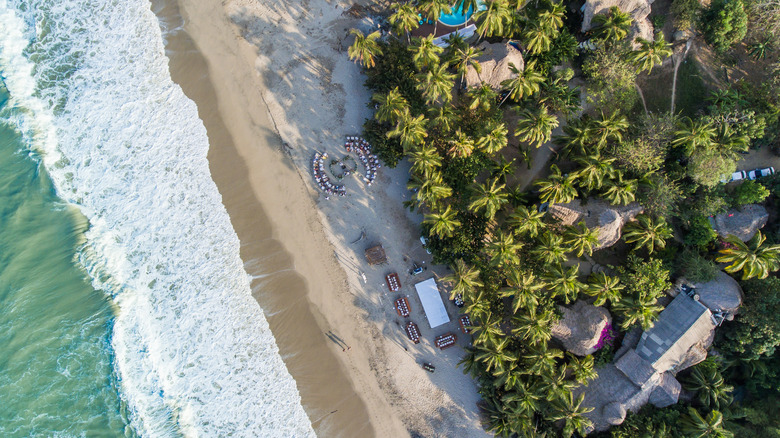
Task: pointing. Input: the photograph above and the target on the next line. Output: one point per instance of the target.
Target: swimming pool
(457, 17)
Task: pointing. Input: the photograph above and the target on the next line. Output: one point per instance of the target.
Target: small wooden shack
(376, 255)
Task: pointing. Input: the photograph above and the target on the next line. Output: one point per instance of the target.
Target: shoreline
(291, 317)
(273, 84)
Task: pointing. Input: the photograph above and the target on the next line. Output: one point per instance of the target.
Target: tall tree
(494, 139)
(535, 126)
(584, 368)
(563, 282)
(646, 232)
(410, 131)
(641, 310)
(754, 259)
(550, 249)
(523, 290)
(404, 19)
(581, 239)
(436, 84)
(540, 359)
(461, 145)
(442, 223)
(425, 54)
(557, 188)
(650, 53)
(538, 38)
(526, 221)
(572, 413)
(525, 82)
(607, 128)
(492, 19)
(578, 139)
(433, 9)
(604, 288)
(466, 57)
(503, 250)
(612, 26)
(621, 191)
(696, 426)
(488, 198)
(693, 135)
(594, 169)
(482, 98)
(365, 49)
(708, 385)
(495, 356)
(464, 279)
(425, 160)
(392, 106)
(533, 326)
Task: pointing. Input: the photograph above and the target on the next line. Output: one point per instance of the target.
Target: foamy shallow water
(193, 350)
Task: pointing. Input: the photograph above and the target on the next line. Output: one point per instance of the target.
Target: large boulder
(639, 10)
(723, 294)
(580, 328)
(494, 65)
(743, 223)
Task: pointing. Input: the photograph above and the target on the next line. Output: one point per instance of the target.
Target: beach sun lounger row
(318, 168)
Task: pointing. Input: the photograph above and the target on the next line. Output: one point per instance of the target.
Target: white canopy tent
(432, 302)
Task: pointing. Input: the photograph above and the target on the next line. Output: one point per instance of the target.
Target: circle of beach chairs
(370, 161)
(318, 168)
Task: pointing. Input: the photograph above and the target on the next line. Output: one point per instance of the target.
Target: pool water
(457, 17)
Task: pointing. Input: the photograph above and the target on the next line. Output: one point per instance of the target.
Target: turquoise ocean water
(56, 372)
(124, 306)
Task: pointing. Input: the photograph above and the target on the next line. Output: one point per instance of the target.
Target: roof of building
(376, 255)
(579, 330)
(666, 392)
(494, 63)
(682, 324)
(432, 302)
(636, 368)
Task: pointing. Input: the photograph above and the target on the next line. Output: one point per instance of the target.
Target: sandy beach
(273, 84)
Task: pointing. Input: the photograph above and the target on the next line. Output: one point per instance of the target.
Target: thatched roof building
(742, 223)
(579, 330)
(641, 27)
(608, 219)
(646, 374)
(376, 255)
(494, 63)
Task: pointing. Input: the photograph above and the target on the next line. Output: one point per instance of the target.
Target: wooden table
(446, 340)
(465, 324)
(413, 332)
(393, 282)
(402, 307)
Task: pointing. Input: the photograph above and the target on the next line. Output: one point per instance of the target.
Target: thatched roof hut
(579, 330)
(608, 219)
(742, 223)
(639, 10)
(494, 63)
(376, 255)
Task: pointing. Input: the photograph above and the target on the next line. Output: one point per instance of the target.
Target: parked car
(424, 242)
(736, 176)
(758, 173)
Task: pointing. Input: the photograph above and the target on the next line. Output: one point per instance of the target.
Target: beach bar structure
(432, 303)
(376, 255)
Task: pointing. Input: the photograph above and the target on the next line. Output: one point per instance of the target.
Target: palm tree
(503, 250)
(442, 117)
(642, 310)
(540, 360)
(469, 362)
(526, 82)
(557, 188)
(392, 106)
(550, 249)
(696, 426)
(581, 239)
(487, 331)
(603, 287)
(572, 413)
(404, 19)
(431, 190)
(436, 84)
(729, 143)
(442, 223)
(491, 20)
(523, 289)
(466, 5)
(644, 232)
(538, 38)
(526, 221)
(465, 57)
(693, 135)
(650, 53)
(425, 53)
(365, 48)
(612, 26)
(583, 368)
(593, 171)
(500, 169)
(536, 126)
(410, 131)
(488, 198)
(710, 388)
(495, 356)
(524, 396)
(495, 138)
(552, 18)
(463, 279)
(425, 160)
(482, 97)
(563, 282)
(754, 259)
(578, 138)
(433, 9)
(533, 327)
(608, 128)
(620, 191)
(461, 145)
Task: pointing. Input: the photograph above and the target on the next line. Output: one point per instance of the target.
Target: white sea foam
(120, 140)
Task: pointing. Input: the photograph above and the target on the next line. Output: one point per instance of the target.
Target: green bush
(694, 267)
(699, 232)
(389, 150)
(749, 192)
(755, 332)
(611, 79)
(725, 23)
(686, 13)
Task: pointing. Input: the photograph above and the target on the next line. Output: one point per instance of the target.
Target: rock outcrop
(608, 219)
(639, 10)
(579, 330)
(742, 223)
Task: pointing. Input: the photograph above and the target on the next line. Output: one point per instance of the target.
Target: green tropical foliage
(645, 232)
(754, 258)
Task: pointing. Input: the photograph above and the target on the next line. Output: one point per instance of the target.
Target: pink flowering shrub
(606, 338)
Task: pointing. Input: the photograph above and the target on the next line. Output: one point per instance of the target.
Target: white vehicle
(758, 173)
(736, 176)
(424, 242)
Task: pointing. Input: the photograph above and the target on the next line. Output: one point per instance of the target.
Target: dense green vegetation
(513, 265)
